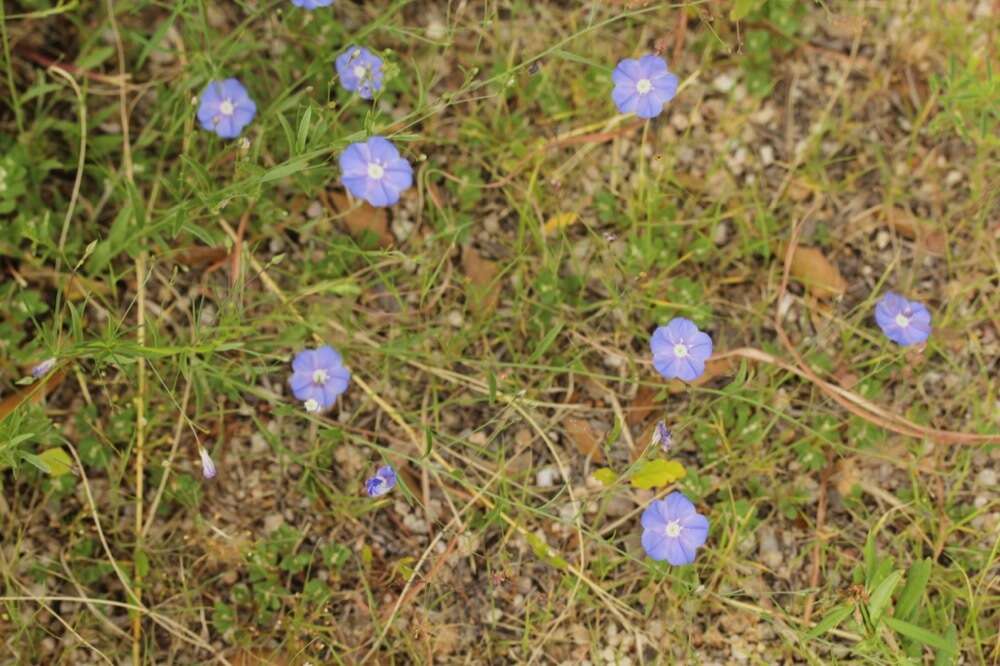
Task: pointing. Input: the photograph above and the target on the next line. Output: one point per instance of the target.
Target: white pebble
(546, 477)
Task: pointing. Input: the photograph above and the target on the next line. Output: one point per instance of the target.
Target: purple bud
(43, 368)
(207, 466)
(662, 436)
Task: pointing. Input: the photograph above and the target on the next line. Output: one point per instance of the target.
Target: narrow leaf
(916, 582)
(831, 621)
(883, 594)
(919, 634)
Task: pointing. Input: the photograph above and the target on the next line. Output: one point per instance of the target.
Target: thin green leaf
(946, 656)
(831, 621)
(883, 594)
(916, 582)
(919, 634)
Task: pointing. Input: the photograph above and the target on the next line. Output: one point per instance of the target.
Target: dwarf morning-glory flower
(318, 377)
(43, 368)
(680, 350)
(225, 108)
(374, 171)
(383, 481)
(207, 464)
(903, 321)
(360, 71)
(312, 4)
(643, 86)
(673, 530)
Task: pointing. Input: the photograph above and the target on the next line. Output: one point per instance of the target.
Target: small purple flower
(312, 4)
(662, 436)
(643, 86)
(207, 465)
(360, 71)
(672, 530)
(374, 171)
(680, 349)
(43, 368)
(383, 481)
(904, 322)
(318, 377)
(226, 108)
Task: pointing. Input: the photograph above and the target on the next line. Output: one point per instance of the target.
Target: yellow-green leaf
(658, 473)
(606, 476)
(57, 462)
(557, 222)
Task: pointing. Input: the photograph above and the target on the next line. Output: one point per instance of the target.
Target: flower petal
(677, 554)
(651, 517)
(656, 544)
(675, 506)
(625, 98)
(667, 365)
(628, 70)
(649, 106)
(304, 361)
(326, 357)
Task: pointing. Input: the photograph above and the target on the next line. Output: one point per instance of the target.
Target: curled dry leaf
(199, 256)
(933, 241)
(33, 392)
(819, 275)
(586, 440)
(362, 217)
(483, 290)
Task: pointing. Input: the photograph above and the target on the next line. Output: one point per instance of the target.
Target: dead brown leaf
(586, 440)
(642, 405)
(33, 392)
(362, 217)
(199, 256)
(484, 290)
(820, 276)
(932, 240)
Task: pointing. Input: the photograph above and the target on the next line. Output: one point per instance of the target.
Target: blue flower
(643, 86)
(673, 530)
(383, 481)
(680, 350)
(207, 465)
(374, 171)
(312, 4)
(360, 70)
(226, 108)
(904, 322)
(318, 377)
(43, 368)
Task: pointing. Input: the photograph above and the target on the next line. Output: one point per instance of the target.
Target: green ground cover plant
(597, 332)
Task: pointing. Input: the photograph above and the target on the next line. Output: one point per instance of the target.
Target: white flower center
(644, 86)
(375, 171)
(673, 529)
(360, 71)
(312, 406)
(320, 376)
(680, 350)
(902, 320)
(227, 108)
